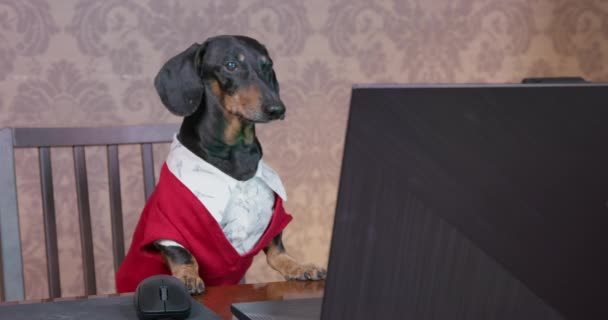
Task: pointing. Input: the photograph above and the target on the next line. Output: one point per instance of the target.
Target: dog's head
(236, 70)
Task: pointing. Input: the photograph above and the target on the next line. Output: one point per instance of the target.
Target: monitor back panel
(472, 202)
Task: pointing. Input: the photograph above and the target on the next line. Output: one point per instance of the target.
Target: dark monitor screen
(472, 202)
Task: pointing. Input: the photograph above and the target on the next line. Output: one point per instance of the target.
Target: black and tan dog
(222, 88)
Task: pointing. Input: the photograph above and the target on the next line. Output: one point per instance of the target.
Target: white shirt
(243, 209)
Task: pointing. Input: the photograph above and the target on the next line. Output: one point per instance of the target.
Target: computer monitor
(472, 202)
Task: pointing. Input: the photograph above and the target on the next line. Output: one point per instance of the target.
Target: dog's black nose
(276, 111)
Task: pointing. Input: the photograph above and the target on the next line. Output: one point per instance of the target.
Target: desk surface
(219, 299)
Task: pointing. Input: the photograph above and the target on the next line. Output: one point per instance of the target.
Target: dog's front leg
(279, 260)
(182, 264)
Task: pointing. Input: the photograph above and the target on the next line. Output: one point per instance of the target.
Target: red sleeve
(159, 227)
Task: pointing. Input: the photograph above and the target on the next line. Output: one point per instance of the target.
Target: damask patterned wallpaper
(91, 63)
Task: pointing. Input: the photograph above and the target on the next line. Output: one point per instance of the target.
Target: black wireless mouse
(161, 297)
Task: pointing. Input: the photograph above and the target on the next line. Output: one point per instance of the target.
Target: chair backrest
(11, 265)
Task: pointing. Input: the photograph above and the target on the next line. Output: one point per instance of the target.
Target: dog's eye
(231, 65)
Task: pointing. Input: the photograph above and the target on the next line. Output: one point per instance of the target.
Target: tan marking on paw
(290, 268)
(188, 274)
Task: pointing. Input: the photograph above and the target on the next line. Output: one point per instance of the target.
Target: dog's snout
(276, 111)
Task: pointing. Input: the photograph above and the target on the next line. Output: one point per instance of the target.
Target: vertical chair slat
(50, 226)
(84, 214)
(118, 244)
(11, 265)
(148, 165)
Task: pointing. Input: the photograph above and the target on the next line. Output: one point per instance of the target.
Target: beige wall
(71, 63)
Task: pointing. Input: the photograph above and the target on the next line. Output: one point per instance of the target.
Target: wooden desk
(219, 299)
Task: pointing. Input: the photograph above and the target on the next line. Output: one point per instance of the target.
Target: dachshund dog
(217, 203)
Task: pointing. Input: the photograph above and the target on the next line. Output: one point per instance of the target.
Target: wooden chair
(11, 265)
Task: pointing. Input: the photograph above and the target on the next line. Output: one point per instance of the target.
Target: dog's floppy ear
(179, 82)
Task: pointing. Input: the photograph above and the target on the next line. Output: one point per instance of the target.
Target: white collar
(211, 186)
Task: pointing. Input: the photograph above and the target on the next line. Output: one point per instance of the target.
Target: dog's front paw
(193, 282)
(305, 272)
